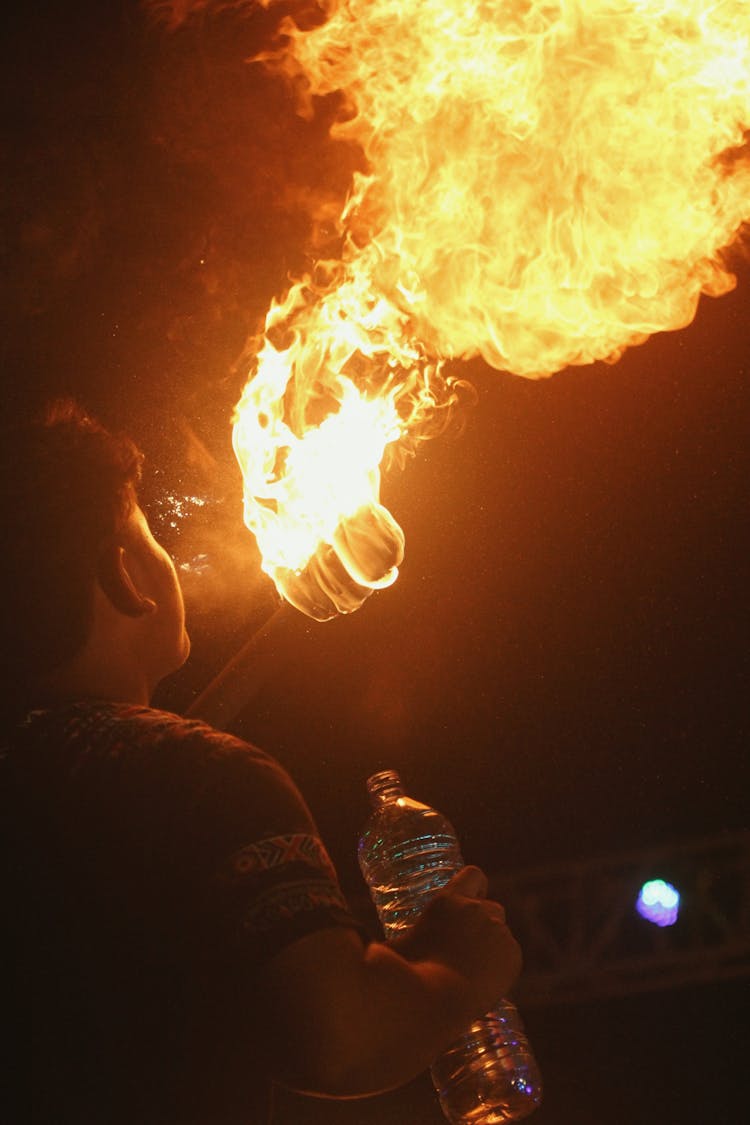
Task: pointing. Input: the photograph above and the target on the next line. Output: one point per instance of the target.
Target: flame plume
(548, 183)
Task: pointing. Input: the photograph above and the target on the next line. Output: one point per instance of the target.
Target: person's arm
(342, 1019)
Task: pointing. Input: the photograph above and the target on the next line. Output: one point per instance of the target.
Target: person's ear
(118, 585)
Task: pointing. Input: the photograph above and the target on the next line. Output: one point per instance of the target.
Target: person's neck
(88, 676)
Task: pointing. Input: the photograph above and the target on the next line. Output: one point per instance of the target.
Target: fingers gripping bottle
(407, 853)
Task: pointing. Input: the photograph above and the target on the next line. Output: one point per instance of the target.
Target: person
(183, 940)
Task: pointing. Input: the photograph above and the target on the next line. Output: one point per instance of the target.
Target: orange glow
(547, 184)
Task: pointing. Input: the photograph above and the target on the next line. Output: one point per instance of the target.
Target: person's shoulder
(225, 776)
(134, 733)
(229, 760)
(193, 735)
(103, 717)
(161, 726)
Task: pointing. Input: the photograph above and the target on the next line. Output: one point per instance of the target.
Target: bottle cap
(384, 786)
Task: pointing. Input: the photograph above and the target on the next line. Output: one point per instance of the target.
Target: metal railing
(582, 938)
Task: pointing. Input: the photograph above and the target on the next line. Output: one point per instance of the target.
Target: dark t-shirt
(155, 865)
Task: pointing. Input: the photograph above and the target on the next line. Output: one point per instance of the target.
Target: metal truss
(582, 938)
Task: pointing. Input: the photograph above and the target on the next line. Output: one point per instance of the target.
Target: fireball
(547, 184)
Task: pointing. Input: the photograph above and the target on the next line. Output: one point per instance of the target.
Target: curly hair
(67, 484)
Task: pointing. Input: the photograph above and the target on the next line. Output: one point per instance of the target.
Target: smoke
(533, 186)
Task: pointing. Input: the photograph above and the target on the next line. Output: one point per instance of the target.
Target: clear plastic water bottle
(407, 852)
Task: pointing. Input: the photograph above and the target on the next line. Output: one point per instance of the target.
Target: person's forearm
(412, 1012)
(389, 1023)
(350, 1020)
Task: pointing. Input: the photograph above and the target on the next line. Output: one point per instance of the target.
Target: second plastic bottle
(407, 853)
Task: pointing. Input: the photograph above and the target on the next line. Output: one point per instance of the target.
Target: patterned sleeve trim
(287, 886)
(290, 902)
(278, 851)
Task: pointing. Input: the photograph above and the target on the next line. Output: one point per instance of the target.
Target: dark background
(562, 664)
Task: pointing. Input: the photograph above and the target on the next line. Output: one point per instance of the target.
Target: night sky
(562, 664)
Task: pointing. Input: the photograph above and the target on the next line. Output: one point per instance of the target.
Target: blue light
(658, 902)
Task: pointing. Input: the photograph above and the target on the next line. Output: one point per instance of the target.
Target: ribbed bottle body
(407, 853)
(489, 1075)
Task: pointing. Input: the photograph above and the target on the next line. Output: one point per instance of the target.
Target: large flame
(548, 183)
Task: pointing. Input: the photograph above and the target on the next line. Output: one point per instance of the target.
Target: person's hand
(464, 930)
(366, 552)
